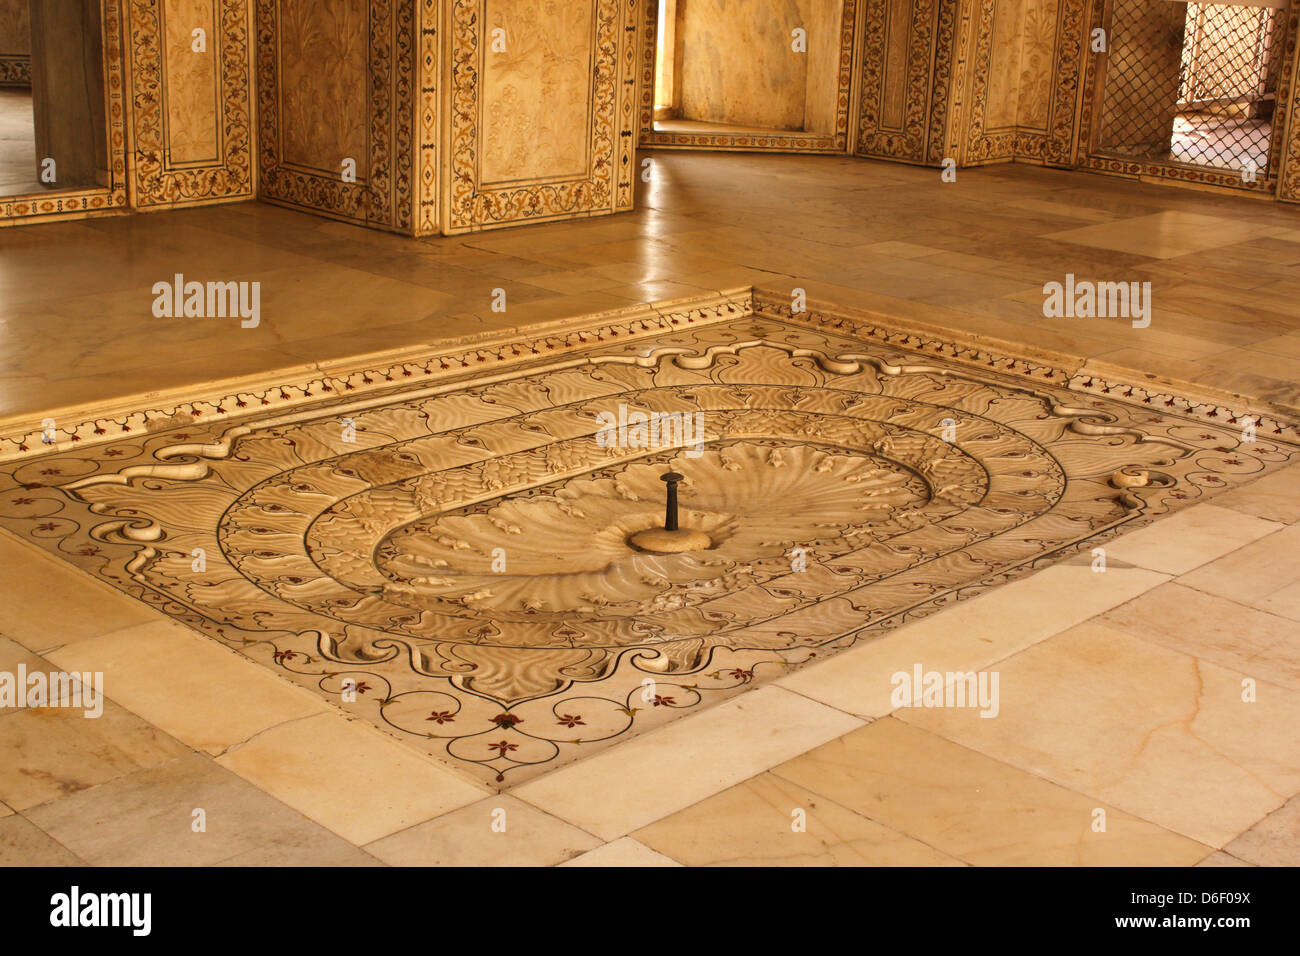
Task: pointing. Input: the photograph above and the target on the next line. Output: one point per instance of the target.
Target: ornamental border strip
(650, 319)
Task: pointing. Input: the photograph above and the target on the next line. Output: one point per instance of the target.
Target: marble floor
(970, 256)
(1146, 714)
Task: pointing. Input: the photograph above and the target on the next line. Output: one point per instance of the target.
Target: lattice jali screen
(1192, 83)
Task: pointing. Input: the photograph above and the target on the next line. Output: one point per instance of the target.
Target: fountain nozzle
(671, 478)
(671, 538)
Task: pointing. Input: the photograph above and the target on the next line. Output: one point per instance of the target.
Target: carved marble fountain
(508, 591)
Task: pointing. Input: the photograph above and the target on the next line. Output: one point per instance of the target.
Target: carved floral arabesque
(155, 182)
(1057, 68)
(1046, 86)
(928, 62)
(319, 191)
(385, 195)
(15, 70)
(534, 102)
(428, 65)
(1285, 161)
(325, 113)
(371, 561)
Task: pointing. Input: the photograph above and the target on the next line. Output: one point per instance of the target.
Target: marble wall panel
(1025, 92)
(738, 64)
(67, 100)
(737, 67)
(190, 84)
(909, 53)
(544, 129)
(324, 61)
(536, 100)
(1287, 125)
(339, 98)
(427, 93)
(1011, 84)
(112, 195)
(191, 111)
(15, 26)
(1000, 110)
(1037, 61)
(822, 94)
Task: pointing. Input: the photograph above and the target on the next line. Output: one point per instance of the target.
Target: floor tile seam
(1039, 775)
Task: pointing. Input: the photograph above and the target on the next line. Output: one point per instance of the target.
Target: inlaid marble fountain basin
(457, 553)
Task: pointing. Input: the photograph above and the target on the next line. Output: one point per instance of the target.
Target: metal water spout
(671, 538)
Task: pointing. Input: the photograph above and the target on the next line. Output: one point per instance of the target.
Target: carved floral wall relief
(191, 109)
(537, 122)
(337, 94)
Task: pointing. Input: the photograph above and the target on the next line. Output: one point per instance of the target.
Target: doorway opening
(1193, 84)
(767, 68)
(53, 123)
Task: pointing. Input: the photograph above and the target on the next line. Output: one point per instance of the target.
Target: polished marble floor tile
(318, 849)
(971, 635)
(13, 654)
(498, 831)
(624, 852)
(204, 695)
(51, 752)
(1285, 602)
(997, 222)
(347, 777)
(1165, 235)
(1189, 539)
(768, 821)
(186, 812)
(44, 603)
(1273, 841)
(977, 808)
(1151, 731)
(1253, 574)
(619, 790)
(22, 843)
(1233, 633)
(1220, 858)
(1275, 497)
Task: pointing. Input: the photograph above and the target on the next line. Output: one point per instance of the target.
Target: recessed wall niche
(748, 74)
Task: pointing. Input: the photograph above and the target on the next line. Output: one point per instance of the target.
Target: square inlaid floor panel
(444, 547)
